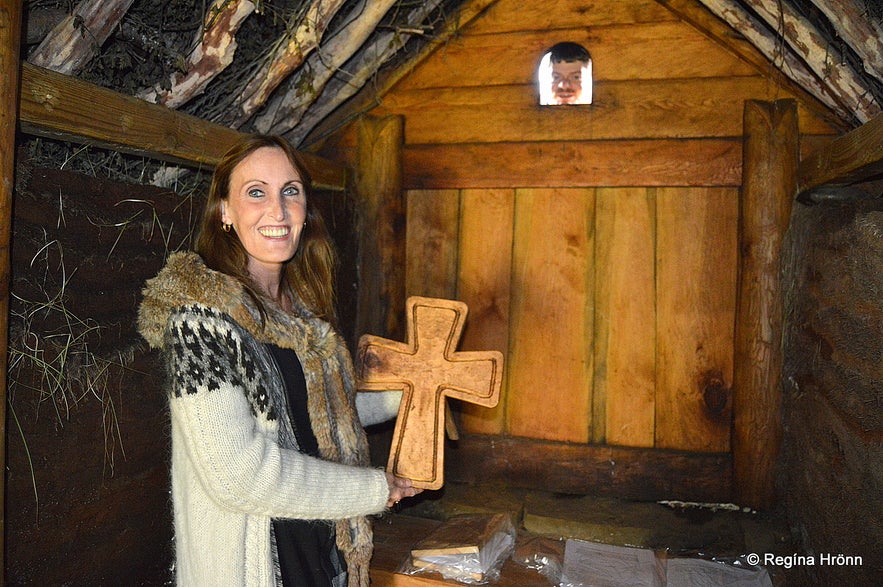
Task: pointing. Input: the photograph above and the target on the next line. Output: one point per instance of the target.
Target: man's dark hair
(567, 51)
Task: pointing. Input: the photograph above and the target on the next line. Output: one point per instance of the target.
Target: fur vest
(234, 460)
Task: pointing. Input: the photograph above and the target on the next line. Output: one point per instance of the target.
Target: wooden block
(466, 547)
(460, 535)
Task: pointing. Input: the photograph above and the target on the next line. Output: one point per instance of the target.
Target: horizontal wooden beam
(580, 469)
(667, 162)
(852, 158)
(62, 107)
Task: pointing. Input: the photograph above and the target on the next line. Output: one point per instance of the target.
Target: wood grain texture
(381, 219)
(484, 273)
(658, 109)
(696, 285)
(427, 368)
(433, 222)
(700, 162)
(765, 212)
(625, 317)
(618, 53)
(63, 107)
(854, 157)
(551, 320)
(580, 469)
(511, 15)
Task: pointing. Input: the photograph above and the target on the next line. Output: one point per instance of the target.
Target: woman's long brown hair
(309, 276)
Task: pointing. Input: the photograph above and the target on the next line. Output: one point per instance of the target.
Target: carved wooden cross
(427, 369)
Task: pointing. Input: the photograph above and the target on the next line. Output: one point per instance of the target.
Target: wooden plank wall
(595, 245)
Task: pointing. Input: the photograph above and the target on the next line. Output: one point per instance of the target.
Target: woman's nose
(278, 208)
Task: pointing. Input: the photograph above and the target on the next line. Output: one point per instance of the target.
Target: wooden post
(381, 226)
(769, 183)
(10, 33)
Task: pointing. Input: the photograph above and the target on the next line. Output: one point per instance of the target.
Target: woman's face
(267, 206)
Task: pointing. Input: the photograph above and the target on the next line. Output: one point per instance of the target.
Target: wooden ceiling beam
(737, 32)
(806, 41)
(325, 118)
(852, 158)
(77, 38)
(212, 53)
(58, 106)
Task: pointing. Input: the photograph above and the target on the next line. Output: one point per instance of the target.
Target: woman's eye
(291, 191)
(255, 193)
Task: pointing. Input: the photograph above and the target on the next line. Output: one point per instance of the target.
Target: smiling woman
(565, 75)
(271, 482)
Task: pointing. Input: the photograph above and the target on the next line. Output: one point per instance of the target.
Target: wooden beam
(381, 227)
(62, 107)
(749, 43)
(10, 35)
(579, 469)
(823, 59)
(314, 127)
(301, 90)
(288, 54)
(212, 53)
(851, 20)
(769, 177)
(852, 158)
(688, 162)
(77, 38)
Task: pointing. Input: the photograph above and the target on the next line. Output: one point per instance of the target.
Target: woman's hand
(399, 488)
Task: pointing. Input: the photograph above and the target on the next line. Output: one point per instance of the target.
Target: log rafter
(862, 34)
(287, 107)
(805, 39)
(77, 38)
(213, 51)
(288, 54)
(364, 65)
(792, 66)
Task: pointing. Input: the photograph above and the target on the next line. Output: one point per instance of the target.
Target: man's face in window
(567, 81)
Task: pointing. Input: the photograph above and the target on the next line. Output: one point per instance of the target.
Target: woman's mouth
(274, 231)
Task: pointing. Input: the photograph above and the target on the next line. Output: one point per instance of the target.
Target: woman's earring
(226, 226)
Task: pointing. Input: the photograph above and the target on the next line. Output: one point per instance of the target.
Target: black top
(306, 548)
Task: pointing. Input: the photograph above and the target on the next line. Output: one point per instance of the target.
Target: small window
(565, 75)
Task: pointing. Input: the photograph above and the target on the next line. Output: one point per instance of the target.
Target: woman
(270, 482)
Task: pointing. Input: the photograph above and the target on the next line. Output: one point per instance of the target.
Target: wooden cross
(427, 369)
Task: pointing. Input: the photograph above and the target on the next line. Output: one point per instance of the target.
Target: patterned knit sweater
(234, 460)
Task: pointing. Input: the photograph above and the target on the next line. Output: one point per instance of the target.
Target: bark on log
(213, 52)
(823, 59)
(287, 107)
(798, 81)
(10, 34)
(769, 181)
(381, 221)
(287, 55)
(78, 37)
(786, 61)
(364, 65)
(850, 20)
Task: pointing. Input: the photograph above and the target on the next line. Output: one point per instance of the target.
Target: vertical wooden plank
(768, 188)
(696, 287)
(486, 232)
(381, 303)
(10, 34)
(550, 356)
(433, 218)
(625, 317)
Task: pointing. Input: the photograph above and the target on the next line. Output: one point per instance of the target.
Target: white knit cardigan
(235, 465)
